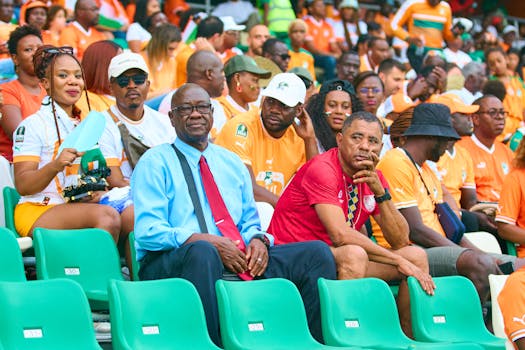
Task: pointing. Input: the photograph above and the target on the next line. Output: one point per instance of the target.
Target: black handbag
(450, 222)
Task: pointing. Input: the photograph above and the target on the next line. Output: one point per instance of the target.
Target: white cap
(126, 61)
(287, 88)
(509, 28)
(349, 3)
(465, 22)
(229, 23)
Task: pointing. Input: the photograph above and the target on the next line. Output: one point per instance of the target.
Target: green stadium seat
(160, 314)
(135, 266)
(43, 315)
(88, 256)
(11, 198)
(452, 314)
(11, 262)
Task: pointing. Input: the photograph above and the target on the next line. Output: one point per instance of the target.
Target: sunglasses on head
(138, 79)
(56, 50)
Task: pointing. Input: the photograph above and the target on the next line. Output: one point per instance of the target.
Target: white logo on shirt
(481, 165)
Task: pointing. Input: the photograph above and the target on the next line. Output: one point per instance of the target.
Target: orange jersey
(512, 304)
(514, 103)
(232, 109)
(302, 59)
(76, 36)
(457, 172)
(182, 57)
(490, 166)
(407, 189)
(511, 206)
(434, 24)
(273, 161)
(320, 32)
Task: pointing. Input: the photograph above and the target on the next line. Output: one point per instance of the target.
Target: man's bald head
(206, 69)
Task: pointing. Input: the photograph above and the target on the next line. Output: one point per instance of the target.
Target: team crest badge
(242, 130)
(369, 202)
(20, 133)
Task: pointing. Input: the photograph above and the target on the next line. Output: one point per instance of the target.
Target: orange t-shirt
(182, 60)
(408, 190)
(15, 94)
(320, 32)
(457, 172)
(76, 36)
(514, 103)
(511, 206)
(490, 166)
(303, 59)
(512, 304)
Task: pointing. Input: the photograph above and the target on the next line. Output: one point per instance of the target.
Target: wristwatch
(385, 197)
(263, 239)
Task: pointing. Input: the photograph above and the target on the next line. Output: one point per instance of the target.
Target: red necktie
(223, 220)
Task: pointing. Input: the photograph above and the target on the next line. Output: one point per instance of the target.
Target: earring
(238, 87)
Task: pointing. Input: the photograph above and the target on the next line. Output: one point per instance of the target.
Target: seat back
(360, 312)
(88, 256)
(11, 198)
(452, 314)
(5, 181)
(43, 315)
(262, 314)
(135, 266)
(159, 314)
(484, 241)
(265, 211)
(11, 262)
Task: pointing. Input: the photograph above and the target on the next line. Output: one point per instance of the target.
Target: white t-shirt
(460, 58)
(137, 32)
(36, 139)
(339, 30)
(152, 130)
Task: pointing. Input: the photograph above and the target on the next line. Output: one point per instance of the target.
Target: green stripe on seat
(428, 24)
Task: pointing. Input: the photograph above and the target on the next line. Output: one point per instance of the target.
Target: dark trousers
(199, 262)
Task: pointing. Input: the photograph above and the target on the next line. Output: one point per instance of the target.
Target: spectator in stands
(160, 56)
(55, 23)
(275, 148)
(349, 27)
(512, 303)
(514, 102)
(453, 53)
(299, 57)
(6, 27)
(370, 90)
(492, 159)
(329, 109)
(33, 13)
(95, 64)
(378, 51)
(23, 96)
(206, 70)
(429, 23)
(509, 35)
(41, 172)
(127, 76)
(333, 195)
(174, 244)
(475, 77)
(409, 177)
(242, 77)
(277, 15)
(82, 32)
(348, 66)
(320, 40)
(428, 83)
(276, 51)
(392, 74)
(137, 34)
(513, 60)
(230, 39)
(510, 217)
(494, 87)
(256, 38)
(209, 37)
(242, 11)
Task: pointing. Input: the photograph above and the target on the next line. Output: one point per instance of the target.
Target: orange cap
(454, 103)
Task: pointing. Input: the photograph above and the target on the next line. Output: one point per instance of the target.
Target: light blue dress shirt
(164, 213)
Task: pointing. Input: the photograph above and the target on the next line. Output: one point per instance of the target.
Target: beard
(437, 151)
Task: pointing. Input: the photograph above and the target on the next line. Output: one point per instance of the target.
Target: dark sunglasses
(307, 82)
(56, 50)
(138, 79)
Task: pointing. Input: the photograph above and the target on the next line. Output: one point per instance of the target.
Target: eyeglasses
(185, 110)
(366, 90)
(138, 79)
(493, 112)
(56, 50)
(284, 56)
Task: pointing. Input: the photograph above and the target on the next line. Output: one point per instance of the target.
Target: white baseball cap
(349, 3)
(126, 61)
(509, 28)
(287, 88)
(229, 24)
